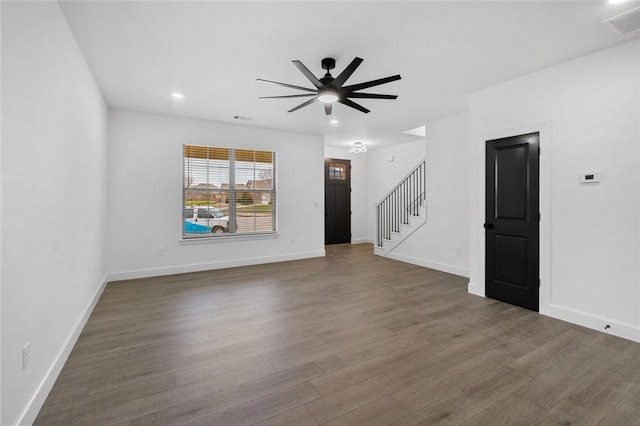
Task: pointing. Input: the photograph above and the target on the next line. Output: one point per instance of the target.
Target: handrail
(422, 163)
(403, 201)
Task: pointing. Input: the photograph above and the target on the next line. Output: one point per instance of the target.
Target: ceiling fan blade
(346, 73)
(352, 104)
(291, 86)
(304, 70)
(370, 96)
(304, 104)
(327, 109)
(372, 83)
(287, 96)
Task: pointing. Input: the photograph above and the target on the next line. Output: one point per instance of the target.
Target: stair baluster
(401, 203)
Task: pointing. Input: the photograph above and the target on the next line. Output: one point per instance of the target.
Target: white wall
(387, 166)
(53, 200)
(145, 198)
(587, 111)
(442, 243)
(0, 213)
(359, 192)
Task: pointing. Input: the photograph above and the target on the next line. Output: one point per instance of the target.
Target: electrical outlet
(26, 356)
(161, 253)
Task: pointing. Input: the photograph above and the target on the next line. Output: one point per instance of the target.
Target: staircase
(401, 212)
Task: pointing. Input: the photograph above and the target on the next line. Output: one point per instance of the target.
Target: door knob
(489, 226)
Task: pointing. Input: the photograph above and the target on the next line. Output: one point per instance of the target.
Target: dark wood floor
(342, 340)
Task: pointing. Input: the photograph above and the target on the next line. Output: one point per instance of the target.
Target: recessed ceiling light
(333, 121)
(177, 95)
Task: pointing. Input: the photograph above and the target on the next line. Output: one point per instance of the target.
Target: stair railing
(402, 202)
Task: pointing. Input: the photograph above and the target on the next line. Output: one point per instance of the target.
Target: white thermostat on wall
(590, 177)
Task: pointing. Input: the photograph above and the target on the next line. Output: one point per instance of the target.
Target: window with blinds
(228, 191)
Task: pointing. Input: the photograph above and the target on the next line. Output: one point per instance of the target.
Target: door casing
(512, 220)
(476, 284)
(337, 233)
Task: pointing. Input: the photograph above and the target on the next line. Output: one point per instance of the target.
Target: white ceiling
(141, 52)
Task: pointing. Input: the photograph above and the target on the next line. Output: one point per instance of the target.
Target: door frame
(477, 218)
(327, 160)
(512, 227)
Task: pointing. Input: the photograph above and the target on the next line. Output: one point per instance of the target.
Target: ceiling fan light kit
(329, 90)
(327, 96)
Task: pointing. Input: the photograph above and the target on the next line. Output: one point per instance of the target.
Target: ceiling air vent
(627, 21)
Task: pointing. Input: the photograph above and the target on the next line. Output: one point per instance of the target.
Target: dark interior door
(337, 201)
(512, 224)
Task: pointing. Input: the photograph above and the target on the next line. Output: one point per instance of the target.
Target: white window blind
(228, 191)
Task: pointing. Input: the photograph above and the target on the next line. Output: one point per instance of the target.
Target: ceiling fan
(329, 90)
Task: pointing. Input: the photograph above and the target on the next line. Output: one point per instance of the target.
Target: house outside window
(228, 192)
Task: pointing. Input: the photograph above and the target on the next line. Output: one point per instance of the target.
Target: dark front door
(337, 201)
(512, 220)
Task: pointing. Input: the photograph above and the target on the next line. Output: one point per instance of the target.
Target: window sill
(228, 238)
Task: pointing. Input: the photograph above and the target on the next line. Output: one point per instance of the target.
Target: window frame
(231, 195)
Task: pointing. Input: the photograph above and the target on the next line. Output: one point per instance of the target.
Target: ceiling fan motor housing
(328, 64)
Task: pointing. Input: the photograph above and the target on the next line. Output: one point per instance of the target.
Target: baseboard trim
(198, 267)
(438, 266)
(619, 329)
(474, 288)
(29, 414)
(362, 241)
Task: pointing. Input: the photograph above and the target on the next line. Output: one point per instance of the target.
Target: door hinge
(538, 282)
(539, 151)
